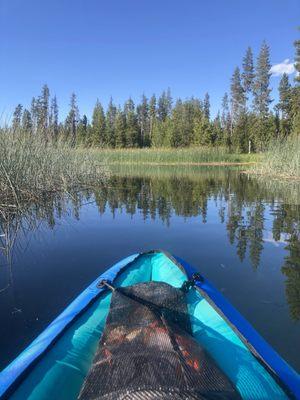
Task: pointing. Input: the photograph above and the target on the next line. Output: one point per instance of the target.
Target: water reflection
(241, 203)
(254, 225)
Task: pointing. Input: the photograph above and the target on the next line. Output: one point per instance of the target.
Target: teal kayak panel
(72, 355)
(165, 270)
(251, 379)
(61, 371)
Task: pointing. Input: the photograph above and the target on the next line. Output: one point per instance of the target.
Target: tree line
(245, 122)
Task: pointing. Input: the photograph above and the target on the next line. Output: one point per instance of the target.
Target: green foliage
(261, 88)
(72, 120)
(248, 74)
(285, 106)
(297, 59)
(97, 137)
(120, 129)
(17, 117)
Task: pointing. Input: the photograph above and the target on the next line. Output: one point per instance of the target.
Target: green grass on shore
(176, 156)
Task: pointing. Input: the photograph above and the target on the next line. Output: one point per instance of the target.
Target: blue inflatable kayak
(56, 364)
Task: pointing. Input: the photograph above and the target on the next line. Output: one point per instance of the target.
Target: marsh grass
(176, 156)
(31, 170)
(282, 160)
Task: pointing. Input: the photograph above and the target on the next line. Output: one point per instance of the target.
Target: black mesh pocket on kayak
(147, 351)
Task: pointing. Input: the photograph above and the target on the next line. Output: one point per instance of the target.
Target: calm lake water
(242, 234)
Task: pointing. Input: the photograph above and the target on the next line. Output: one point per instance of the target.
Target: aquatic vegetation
(32, 169)
(282, 160)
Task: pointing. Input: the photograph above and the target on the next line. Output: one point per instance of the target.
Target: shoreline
(273, 176)
(184, 163)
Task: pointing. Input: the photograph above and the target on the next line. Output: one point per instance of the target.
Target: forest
(247, 121)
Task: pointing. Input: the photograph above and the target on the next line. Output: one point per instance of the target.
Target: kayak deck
(61, 370)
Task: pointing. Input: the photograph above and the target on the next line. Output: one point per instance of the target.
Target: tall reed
(31, 169)
(282, 159)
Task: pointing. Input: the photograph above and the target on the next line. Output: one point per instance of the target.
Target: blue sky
(123, 48)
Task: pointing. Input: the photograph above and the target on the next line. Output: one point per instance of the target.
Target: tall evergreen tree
(164, 105)
(144, 121)
(72, 119)
(132, 128)
(261, 85)
(53, 118)
(248, 74)
(120, 129)
(296, 92)
(182, 123)
(226, 120)
(110, 124)
(206, 106)
(17, 117)
(98, 125)
(43, 112)
(217, 131)
(238, 112)
(34, 112)
(83, 132)
(238, 98)
(152, 115)
(263, 127)
(26, 121)
(285, 105)
(297, 60)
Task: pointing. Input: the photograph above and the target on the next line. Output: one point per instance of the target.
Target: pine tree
(239, 136)
(144, 121)
(226, 120)
(33, 112)
(297, 60)
(72, 119)
(110, 124)
(206, 106)
(295, 105)
(43, 112)
(120, 129)
(26, 121)
(248, 74)
(17, 117)
(264, 124)
(261, 88)
(98, 126)
(284, 105)
(202, 132)
(217, 131)
(182, 124)
(53, 119)
(164, 105)
(238, 98)
(83, 132)
(152, 115)
(132, 128)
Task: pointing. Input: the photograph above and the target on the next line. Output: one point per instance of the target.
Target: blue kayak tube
(56, 363)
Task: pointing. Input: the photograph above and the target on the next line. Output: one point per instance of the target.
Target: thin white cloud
(285, 67)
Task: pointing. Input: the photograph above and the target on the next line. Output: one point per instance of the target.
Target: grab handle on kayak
(106, 283)
(196, 277)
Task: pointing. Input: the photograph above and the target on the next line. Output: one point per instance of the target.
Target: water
(242, 234)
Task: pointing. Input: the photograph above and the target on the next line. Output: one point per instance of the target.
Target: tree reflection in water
(241, 202)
